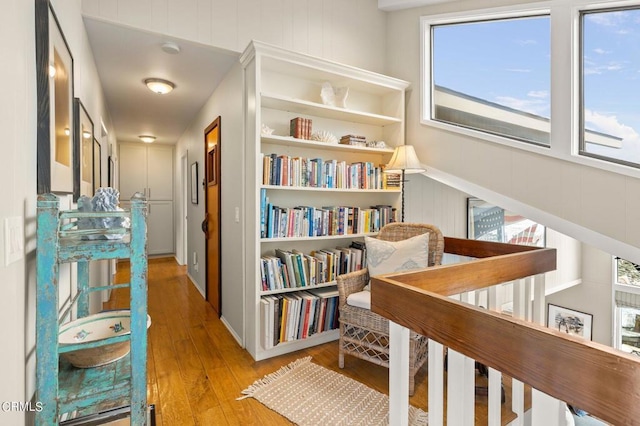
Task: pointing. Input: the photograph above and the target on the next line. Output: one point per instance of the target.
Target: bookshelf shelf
(280, 87)
(284, 103)
(294, 142)
(289, 290)
(309, 188)
(324, 237)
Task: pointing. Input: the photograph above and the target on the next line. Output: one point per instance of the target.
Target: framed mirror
(83, 143)
(55, 156)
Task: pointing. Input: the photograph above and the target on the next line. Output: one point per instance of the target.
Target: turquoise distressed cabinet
(69, 237)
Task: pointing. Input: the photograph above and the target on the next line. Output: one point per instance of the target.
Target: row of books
(306, 221)
(300, 128)
(294, 269)
(284, 170)
(294, 316)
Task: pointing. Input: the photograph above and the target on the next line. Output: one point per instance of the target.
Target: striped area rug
(311, 395)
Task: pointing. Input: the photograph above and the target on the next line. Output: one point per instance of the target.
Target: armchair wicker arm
(352, 282)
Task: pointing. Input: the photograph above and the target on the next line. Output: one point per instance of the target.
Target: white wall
(225, 102)
(594, 295)
(587, 203)
(18, 174)
(351, 32)
(18, 189)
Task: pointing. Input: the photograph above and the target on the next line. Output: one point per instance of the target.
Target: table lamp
(404, 160)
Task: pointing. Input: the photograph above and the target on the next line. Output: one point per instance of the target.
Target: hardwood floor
(196, 369)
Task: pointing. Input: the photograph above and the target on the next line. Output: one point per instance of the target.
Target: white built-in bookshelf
(308, 201)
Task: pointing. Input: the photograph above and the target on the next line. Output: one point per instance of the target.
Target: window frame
(566, 84)
(427, 25)
(581, 122)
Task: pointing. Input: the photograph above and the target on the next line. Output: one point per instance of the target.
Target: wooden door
(211, 224)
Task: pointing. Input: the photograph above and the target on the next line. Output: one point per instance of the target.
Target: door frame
(184, 173)
(218, 180)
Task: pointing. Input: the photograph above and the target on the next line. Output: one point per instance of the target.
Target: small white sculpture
(324, 136)
(377, 144)
(334, 96)
(266, 130)
(104, 200)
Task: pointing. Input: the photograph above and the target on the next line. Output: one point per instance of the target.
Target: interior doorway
(184, 173)
(211, 223)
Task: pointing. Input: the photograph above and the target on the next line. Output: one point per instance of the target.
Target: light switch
(237, 214)
(13, 239)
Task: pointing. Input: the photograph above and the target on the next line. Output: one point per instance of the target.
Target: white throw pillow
(385, 257)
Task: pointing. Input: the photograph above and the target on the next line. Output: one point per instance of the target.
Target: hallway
(196, 369)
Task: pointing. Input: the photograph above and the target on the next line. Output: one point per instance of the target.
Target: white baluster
(495, 397)
(460, 389)
(436, 384)
(398, 375)
(545, 410)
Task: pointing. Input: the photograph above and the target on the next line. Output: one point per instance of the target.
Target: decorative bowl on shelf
(95, 328)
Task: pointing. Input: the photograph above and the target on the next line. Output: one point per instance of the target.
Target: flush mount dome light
(159, 85)
(147, 138)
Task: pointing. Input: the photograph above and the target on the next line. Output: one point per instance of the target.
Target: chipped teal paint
(61, 387)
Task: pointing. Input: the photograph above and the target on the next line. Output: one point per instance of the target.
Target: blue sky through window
(611, 61)
(508, 62)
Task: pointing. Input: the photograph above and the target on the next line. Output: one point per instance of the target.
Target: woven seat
(364, 334)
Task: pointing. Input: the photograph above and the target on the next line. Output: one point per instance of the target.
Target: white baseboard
(193, 281)
(233, 333)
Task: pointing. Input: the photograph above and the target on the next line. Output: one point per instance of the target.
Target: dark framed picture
(97, 165)
(83, 136)
(54, 64)
(489, 222)
(194, 183)
(570, 321)
(111, 172)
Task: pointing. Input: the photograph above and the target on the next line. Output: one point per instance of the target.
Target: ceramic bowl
(94, 328)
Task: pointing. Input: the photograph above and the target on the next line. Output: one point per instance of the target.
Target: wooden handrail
(594, 377)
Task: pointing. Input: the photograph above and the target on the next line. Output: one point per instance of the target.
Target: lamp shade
(404, 159)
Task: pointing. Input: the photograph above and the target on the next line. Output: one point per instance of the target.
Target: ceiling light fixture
(171, 48)
(159, 85)
(147, 138)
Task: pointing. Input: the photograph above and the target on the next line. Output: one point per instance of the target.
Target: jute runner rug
(311, 395)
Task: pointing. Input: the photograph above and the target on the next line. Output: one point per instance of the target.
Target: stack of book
(353, 140)
(391, 180)
(300, 128)
(294, 316)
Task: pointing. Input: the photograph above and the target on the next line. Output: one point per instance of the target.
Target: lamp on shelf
(404, 161)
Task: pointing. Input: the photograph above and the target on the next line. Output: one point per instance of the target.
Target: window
(627, 302)
(610, 71)
(627, 273)
(493, 76)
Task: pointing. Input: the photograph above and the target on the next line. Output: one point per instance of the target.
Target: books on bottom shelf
(294, 269)
(295, 316)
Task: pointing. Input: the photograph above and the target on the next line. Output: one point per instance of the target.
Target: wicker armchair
(364, 334)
